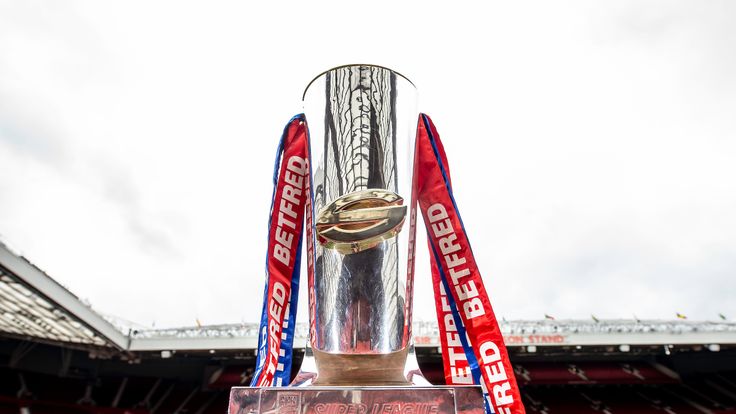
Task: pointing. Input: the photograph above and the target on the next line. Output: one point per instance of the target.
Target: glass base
(356, 400)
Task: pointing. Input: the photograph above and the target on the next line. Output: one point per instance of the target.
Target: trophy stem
(365, 369)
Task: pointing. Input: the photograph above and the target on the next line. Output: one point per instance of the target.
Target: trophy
(362, 122)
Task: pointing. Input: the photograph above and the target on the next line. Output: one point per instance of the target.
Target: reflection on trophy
(362, 123)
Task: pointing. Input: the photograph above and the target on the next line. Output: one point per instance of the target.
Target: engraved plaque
(356, 400)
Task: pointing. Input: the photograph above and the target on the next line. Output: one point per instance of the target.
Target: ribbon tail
(285, 227)
(465, 315)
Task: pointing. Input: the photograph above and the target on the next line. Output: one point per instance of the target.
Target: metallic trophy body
(362, 123)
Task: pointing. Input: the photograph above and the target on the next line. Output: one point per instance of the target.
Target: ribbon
(290, 195)
(473, 351)
(455, 266)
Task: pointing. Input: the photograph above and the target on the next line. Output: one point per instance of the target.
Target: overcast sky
(592, 146)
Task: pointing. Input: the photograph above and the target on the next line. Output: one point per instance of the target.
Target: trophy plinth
(356, 400)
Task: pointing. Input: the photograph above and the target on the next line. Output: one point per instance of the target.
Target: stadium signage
(535, 339)
(453, 338)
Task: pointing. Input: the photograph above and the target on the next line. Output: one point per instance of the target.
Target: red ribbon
(291, 195)
(451, 253)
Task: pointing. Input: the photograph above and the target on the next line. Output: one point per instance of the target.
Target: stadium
(60, 356)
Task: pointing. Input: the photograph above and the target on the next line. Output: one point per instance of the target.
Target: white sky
(592, 145)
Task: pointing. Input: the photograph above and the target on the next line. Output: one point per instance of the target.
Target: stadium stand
(58, 355)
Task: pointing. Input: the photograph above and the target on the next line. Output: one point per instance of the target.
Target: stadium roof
(516, 334)
(33, 305)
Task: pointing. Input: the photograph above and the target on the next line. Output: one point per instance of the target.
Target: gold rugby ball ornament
(360, 220)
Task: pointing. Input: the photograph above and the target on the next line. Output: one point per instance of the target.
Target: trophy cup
(362, 123)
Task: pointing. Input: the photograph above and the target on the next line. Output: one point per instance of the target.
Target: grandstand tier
(57, 355)
(43, 378)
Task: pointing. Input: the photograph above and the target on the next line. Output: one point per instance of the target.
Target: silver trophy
(362, 122)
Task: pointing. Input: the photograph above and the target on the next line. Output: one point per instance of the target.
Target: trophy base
(356, 400)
